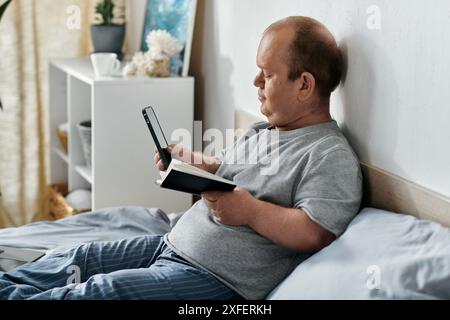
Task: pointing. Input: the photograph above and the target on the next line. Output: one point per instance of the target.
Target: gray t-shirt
(312, 168)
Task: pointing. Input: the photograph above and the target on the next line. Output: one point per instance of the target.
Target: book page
(187, 168)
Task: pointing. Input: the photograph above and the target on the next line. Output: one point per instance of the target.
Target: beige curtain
(31, 32)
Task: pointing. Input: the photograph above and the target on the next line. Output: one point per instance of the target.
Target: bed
(102, 225)
(398, 247)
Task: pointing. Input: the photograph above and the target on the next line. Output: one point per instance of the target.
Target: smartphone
(158, 135)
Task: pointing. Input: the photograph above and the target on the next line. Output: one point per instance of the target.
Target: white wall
(394, 104)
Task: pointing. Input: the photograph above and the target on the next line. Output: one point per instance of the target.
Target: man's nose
(259, 81)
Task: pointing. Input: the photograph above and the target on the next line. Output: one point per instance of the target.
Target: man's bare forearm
(206, 163)
(287, 227)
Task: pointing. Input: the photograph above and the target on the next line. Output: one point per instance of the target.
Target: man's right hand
(157, 158)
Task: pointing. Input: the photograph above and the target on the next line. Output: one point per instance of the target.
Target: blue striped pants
(138, 268)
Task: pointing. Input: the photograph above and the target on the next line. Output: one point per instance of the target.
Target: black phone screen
(158, 135)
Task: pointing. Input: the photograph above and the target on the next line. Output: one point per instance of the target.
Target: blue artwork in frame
(176, 17)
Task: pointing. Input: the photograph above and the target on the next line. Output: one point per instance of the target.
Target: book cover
(184, 177)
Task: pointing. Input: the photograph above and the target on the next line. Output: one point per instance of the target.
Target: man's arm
(196, 159)
(287, 227)
(290, 228)
(204, 162)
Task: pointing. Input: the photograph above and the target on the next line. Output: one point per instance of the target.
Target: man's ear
(306, 85)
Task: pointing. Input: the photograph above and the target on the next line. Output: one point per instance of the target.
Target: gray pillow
(382, 255)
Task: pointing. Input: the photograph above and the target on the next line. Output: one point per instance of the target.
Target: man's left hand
(231, 208)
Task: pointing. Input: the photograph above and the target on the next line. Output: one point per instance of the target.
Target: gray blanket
(102, 225)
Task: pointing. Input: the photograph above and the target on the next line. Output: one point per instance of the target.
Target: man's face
(277, 94)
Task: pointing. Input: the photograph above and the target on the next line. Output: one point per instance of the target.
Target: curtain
(31, 32)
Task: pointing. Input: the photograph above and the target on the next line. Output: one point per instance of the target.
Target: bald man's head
(313, 49)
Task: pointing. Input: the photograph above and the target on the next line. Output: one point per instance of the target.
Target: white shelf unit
(122, 171)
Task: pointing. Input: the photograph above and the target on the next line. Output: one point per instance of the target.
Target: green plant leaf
(3, 8)
(106, 10)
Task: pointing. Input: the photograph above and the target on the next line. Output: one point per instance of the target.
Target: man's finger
(171, 147)
(214, 212)
(160, 165)
(176, 150)
(209, 199)
(210, 204)
(214, 195)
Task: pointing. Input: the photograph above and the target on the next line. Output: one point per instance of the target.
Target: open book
(184, 177)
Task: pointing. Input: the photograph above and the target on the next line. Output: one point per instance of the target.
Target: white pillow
(80, 199)
(382, 255)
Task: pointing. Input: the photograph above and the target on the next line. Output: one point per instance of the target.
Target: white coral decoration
(137, 65)
(156, 61)
(161, 41)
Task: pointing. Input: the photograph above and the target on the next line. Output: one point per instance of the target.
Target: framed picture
(178, 18)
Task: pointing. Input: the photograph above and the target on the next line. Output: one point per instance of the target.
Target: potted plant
(108, 30)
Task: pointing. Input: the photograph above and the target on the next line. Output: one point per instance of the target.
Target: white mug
(105, 64)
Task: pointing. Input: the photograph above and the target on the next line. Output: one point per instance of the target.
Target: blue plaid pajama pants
(138, 268)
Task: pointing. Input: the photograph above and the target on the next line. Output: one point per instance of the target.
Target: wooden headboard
(387, 191)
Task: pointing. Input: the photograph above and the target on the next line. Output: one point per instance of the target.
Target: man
(239, 244)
